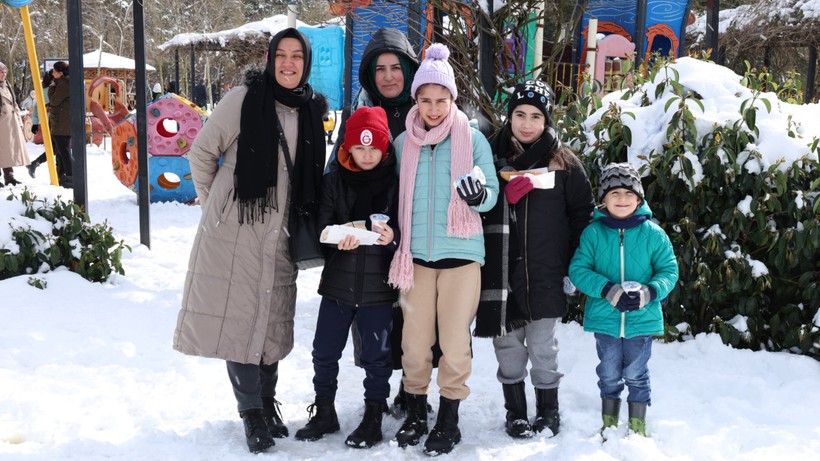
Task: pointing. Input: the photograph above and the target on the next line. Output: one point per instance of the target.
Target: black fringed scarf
(494, 318)
(257, 156)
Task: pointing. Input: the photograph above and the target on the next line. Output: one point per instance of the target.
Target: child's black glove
(471, 191)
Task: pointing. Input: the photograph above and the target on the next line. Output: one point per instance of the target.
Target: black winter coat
(529, 245)
(357, 277)
(546, 232)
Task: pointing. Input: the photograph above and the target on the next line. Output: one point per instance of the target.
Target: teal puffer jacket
(431, 197)
(648, 258)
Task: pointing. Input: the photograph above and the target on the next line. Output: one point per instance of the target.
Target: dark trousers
(62, 152)
(374, 323)
(252, 382)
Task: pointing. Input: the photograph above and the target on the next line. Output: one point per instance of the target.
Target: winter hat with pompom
(435, 69)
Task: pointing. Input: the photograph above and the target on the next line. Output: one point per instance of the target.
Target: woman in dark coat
(239, 298)
(59, 115)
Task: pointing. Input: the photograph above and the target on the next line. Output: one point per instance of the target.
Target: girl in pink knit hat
(437, 265)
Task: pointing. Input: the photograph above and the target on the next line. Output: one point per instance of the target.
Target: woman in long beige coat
(12, 141)
(240, 291)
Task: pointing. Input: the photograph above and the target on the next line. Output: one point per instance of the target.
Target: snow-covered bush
(44, 234)
(732, 175)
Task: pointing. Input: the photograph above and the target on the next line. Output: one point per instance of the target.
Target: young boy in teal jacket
(625, 265)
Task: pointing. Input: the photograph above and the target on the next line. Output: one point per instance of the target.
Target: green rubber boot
(609, 413)
(637, 418)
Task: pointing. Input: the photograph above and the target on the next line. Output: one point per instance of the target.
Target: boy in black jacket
(362, 181)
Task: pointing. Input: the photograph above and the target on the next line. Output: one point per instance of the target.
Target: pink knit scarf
(462, 221)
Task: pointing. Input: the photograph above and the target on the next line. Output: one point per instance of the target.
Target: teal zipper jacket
(647, 257)
(431, 197)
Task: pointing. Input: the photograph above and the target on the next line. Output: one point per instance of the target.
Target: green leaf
(627, 134)
(749, 118)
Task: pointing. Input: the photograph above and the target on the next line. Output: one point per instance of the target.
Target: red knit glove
(517, 188)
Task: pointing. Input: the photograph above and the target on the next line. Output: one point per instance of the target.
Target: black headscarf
(257, 156)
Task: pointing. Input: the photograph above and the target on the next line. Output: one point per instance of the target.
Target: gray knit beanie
(617, 175)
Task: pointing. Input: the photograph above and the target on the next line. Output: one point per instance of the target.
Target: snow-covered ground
(87, 372)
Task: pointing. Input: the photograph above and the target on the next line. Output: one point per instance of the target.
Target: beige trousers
(449, 298)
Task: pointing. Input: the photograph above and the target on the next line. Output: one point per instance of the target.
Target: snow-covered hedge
(732, 174)
(43, 234)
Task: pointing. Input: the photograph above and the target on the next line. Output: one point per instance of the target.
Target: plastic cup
(378, 219)
(631, 287)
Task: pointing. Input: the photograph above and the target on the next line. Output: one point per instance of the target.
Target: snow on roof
(103, 60)
(760, 13)
(259, 29)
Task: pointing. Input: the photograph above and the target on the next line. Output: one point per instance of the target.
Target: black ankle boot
(8, 173)
(546, 410)
(515, 401)
(273, 417)
(256, 432)
(399, 407)
(32, 167)
(445, 434)
(323, 422)
(415, 425)
(369, 431)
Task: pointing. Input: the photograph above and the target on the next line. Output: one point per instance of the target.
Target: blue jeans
(374, 323)
(624, 361)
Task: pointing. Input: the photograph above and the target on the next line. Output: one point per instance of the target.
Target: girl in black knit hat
(530, 237)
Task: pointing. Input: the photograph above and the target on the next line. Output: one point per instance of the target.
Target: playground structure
(644, 28)
(627, 29)
(173, 122)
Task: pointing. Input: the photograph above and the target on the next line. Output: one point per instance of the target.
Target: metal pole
(176, 71)
(538, 48)
(811, 74)
(38, 89)
(144, 186)
(639, 37)
(193, 75)
(77, 91)
(712, 23)
(292, 10)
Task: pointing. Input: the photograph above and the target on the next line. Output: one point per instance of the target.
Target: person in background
(625, 264)
(529, 238)
(59, 105)
(437, 265)
(12, 141)
(239, 297)
(200, 94)
(35, 125)
(362, 182)
(329, 122)
(30, 103)
(156, 91)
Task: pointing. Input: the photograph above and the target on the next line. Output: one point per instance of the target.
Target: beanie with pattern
(620, 175)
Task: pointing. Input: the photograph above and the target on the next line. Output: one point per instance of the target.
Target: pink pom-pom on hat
(435, 69)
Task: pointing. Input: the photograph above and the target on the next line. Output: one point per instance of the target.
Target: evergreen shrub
(745, 233)
(53, 233)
